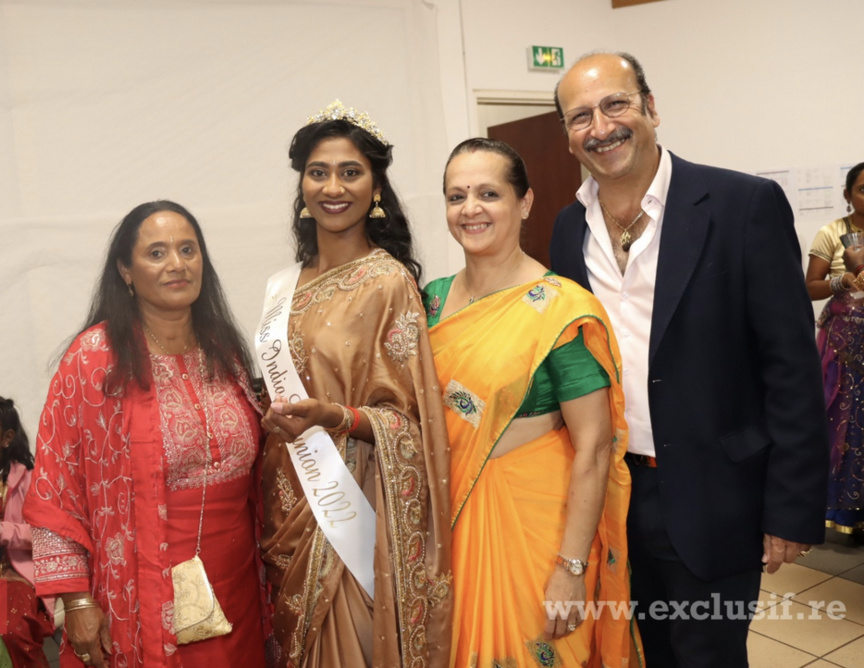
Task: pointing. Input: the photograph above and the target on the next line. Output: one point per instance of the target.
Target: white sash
(338, 504)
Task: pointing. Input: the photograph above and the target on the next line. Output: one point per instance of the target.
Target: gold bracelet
(80, 604)
(859, 282)
(76, 601)
(347, 421)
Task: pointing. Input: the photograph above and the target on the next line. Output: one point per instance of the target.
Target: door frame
(509, 98)
(505, 98)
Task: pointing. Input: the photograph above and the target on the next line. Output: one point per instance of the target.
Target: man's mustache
(618, 134)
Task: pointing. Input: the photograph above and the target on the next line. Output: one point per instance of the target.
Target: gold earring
(377, 211)
(131, 290)
(304, 213)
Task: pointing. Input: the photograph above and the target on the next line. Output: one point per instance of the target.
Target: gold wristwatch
(572, 566)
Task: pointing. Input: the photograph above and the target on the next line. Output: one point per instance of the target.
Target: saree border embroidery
(504, 663)
(321, 561)
(464, 403)
(434, 306)
(404, 504)
(540, 296)
(305, 607)
(543, 652)
(298, 351)
(345, 278)
(439, 588)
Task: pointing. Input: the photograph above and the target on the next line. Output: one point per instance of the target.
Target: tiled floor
(799, 631)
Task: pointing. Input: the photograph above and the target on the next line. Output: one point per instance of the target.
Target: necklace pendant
(626, 240)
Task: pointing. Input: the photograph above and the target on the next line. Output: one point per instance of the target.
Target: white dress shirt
(629, 298)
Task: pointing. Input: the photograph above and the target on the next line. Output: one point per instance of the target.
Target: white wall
(753, 85)
(746, 84)
(108, 103)
(105, 104)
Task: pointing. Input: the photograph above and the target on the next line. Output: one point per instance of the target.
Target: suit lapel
(685, 228)
(574, 227)
(580, 269)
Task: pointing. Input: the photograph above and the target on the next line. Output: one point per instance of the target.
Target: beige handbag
(197, 613)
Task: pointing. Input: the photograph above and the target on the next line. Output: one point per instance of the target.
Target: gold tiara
(336, 111)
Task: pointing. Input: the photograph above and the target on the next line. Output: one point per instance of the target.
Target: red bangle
(859, 269)
(355, 422)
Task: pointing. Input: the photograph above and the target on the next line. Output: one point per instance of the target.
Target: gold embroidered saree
(508, 513)
(358, 338)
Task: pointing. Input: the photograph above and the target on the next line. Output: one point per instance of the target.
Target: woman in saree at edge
(841, 345)
(359, 344)
(539, 491)
(150, 407)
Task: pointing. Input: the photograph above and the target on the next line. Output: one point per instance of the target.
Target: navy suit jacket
(735, 385)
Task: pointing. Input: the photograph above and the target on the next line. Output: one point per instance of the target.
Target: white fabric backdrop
(107, 104)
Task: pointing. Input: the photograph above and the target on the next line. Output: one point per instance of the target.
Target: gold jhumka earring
(377, 211)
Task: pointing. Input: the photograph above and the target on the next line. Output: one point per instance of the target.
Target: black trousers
(685, 622)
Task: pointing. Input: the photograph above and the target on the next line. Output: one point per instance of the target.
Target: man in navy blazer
(700, 271)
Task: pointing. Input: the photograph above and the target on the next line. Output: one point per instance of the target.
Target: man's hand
(777, 551)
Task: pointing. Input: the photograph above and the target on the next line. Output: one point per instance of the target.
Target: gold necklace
(159, 343)
(626, 238)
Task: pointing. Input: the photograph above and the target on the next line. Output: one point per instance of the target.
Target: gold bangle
(346, 423)
(80, 606)
(76, 601)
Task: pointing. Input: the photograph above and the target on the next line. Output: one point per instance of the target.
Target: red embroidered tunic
(116, 500)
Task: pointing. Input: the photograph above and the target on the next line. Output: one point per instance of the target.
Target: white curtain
(107, 104)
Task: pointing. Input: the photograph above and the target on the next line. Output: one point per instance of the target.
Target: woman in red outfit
(147, 454)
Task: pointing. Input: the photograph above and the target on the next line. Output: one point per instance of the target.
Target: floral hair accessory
(336, 111)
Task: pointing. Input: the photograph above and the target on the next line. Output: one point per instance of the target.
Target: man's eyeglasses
(611, 106)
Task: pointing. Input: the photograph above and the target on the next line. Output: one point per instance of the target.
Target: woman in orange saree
(539, 490)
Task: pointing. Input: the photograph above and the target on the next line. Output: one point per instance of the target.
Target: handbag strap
(207, 456)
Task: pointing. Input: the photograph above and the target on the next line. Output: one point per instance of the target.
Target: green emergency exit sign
(545, 58)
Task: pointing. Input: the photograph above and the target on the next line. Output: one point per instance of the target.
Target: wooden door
(553, 172)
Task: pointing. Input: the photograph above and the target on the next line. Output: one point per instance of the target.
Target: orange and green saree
(508, 513)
